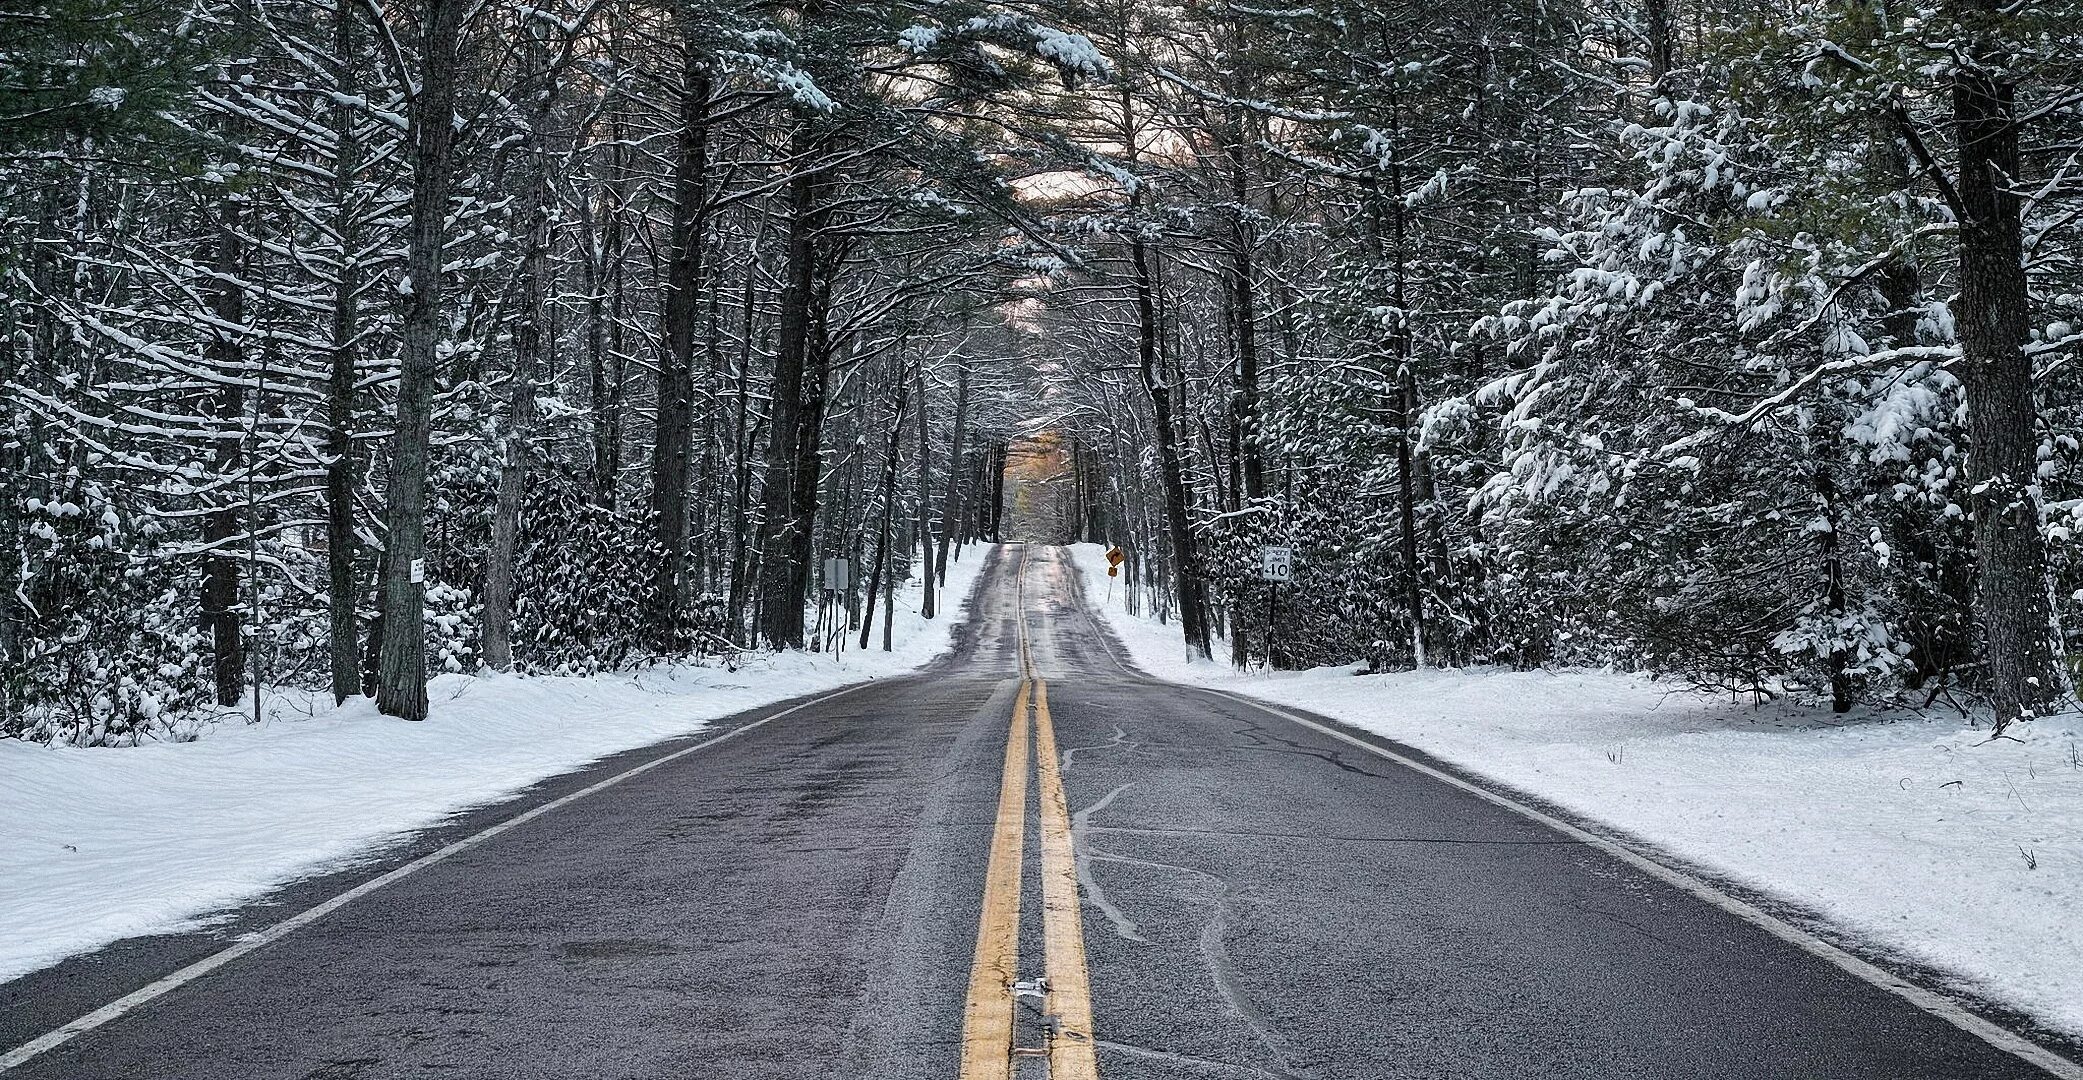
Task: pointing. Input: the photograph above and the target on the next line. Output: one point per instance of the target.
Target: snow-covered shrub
(584, 575)
(112, 653)
(451, 615)
(585, 582)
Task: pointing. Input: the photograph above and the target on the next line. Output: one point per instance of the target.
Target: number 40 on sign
(1276, 564)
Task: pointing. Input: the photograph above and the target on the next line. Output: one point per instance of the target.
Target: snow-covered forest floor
(107, 843)
(1914, 834)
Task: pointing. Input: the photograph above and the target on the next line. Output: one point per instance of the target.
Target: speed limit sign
(1276, 564)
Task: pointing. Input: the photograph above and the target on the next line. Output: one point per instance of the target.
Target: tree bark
(528, 358)
(782, 577)
(1244, 305)
(220, 592)
(951, 513)
(401, 683)
(888, 487)
(996, 463)
(1171, 467)
(1406, 388)
(742, 440)
(343, 591)
(673, 433)
(1663, 46)
(801, 552)
(928, 583)
(2011, 600)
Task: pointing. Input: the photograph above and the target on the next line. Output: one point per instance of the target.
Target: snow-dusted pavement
(1261, 896)
(102, 844)
(1914, 835)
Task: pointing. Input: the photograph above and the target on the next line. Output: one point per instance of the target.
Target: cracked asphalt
(1260, 900)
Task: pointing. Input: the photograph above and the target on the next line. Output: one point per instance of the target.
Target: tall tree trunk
(1406, 387)
(997, 486)
(1171, 466)
(928, 583)
(1244, 310)
(616, 240)
(781, 578)
(951, 513)
(2011, 590)
(595, 278)
(673, 433)
(707, 483)
(496, 622)
(220, 592)
(1178, 523)
(1406, 504)
(801, 552)
(888, 487)
(1826, 434)
(343, 592)
(1663, 44)
(742, 441)
(401, 682)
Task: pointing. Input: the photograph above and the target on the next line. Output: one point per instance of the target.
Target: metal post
(1273, 626)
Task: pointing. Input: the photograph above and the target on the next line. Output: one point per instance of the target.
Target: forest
(343, 342)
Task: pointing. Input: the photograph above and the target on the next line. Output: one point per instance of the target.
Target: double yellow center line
(988, 1019)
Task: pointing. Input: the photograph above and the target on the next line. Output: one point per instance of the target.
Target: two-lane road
(849, 889)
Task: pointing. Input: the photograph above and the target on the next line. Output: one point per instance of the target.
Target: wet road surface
(815, 897)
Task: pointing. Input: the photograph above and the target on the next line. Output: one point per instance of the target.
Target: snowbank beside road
(106, 843)
(1914, 834)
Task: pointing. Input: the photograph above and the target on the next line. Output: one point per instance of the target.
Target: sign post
(837, 576)
(1115, 557)
(1276, 565)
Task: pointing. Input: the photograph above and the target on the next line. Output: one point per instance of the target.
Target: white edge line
(1937, 1005)
(51, 1040)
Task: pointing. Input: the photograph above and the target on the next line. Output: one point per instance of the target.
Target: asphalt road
(1258, 899)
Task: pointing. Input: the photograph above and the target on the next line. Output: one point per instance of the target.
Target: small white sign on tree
(1276, 564)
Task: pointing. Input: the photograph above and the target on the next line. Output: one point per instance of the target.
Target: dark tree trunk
(951, 510)
(1663, 45)
(343, 591)
(674, 431)
(1406, 504)
(888, 487)
(2011, 602)
(929, 583)
(1244, 310)
(782, 578)
(1406, 391)
(1829, 549)
(220, 593)
(1177, 510)
(612, 448)
(707, 481)
(801, 553)
(597, 392)
(401, 682)
(742, 440)
(997, 485)
(528, 359)
(497, 619)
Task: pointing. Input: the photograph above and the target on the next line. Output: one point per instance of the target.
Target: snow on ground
(106, 843)
(1915, 834)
